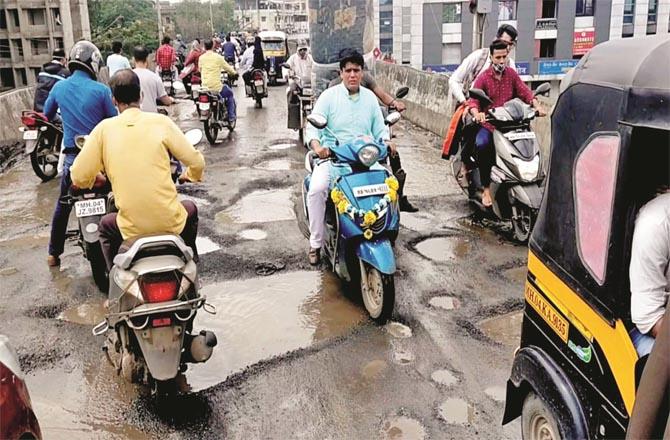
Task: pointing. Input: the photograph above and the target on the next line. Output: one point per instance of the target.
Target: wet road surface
(297, 356)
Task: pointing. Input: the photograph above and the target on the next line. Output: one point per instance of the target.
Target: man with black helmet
(83, 103)
(51, 73)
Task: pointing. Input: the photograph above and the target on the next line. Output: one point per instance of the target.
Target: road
(297, 357)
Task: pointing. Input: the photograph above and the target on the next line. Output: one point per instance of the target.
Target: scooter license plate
(204, 106)
(258, 82)
(371, 190)
(87, 208)
(521, 135)
(167, 83)
(30, 135)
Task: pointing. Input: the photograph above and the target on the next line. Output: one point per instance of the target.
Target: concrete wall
(11, 105)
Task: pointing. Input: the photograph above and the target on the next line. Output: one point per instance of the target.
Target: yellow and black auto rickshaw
(574, 374)
(275, 50)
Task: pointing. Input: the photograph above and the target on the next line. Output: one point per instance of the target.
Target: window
(39, 47)
(549, 8)
(59, 43)
(36, 72)
(385, 2)
(595, 179)
(4, 49)
(548, 48)
(386, 22)
(23, 79)
(584, 8)
(653, 10)
(56, 16)
(15, 17)
(506, 10)
(451, 53)
(18, 46)
(6, 78)
(36, 17)
(386, 45)
(629, 11)
(3, 19)
(451, 13)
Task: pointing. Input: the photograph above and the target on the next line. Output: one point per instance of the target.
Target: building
(289, 16)
(553, 34)
(168, 12)
(29, 32)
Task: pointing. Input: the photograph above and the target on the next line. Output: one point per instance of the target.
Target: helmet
(303, 45)
(85, 56)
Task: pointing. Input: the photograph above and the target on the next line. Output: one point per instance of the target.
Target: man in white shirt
(151, 84)
(300, 64)
(116, 61)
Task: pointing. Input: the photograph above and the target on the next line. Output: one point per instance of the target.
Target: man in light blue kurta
(351, 111)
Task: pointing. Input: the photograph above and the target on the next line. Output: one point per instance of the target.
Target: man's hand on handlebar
(479, 117)
(398, 105)
(393, 149)
(322, 152)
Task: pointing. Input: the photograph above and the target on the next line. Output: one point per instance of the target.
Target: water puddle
(444, 302)
(374, 369)
(281, 146)
(6, 271)
(260, 318)
(504, 329)
(253, 234)
(456, 412)
(444, 377)
(444, 249)
(260, 207)
(517, 274)
(205, 245)
(403, 428)
(418, 222)
(496, 393)
(398, 330)
(403, 357)
(278, 165)
(89, 313)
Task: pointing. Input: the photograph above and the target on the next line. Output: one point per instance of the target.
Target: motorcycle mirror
(194, 136)
(401, 92)
(480, 95)
(80, 140)
(392, 118)
(178, 86)
(285, 66)
(317, 121)
(542, 89)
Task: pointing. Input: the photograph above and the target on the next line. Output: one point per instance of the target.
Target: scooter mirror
(392, 118)
(317, 121)
(401, 92)
(194, 136)
(480, 95)
(80, 140)
(178, 86)
(542, 89)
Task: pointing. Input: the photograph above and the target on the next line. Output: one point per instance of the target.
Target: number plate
(167, 83)
(521, 135)
(31, 135)
(371, 190)
(204, 105)
(258, 82)
(87, 208)
(195, 87)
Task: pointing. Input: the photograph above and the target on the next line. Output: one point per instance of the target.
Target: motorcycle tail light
(258, 76)
(159, 287)
(28, 121)
(203, 98)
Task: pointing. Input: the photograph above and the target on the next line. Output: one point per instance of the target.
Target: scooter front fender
(161, 348)
(378, 254)
(529, 195)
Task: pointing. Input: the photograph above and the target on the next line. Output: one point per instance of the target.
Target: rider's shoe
(314, 256)
(53, 261)
(406, 206)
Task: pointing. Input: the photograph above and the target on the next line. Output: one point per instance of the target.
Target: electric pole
(160, 21)
(211, 16)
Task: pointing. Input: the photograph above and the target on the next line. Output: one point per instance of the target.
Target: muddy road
(297, 356)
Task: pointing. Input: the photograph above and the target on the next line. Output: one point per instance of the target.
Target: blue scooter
(362, 217)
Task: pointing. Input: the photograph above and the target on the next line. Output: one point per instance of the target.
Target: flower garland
(368, 217)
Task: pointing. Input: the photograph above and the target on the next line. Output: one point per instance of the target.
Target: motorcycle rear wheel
(98, 266)
(259, 102)
(44, 168)
(378, 293)
(211, 131)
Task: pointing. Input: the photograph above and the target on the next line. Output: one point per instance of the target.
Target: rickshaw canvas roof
(272, 35)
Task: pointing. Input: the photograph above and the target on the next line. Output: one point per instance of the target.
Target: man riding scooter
(301, 70)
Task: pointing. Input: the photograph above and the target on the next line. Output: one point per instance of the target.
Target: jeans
(62, 211)
(227, 94)
(485, 154)
(111, 238)
(643, 343)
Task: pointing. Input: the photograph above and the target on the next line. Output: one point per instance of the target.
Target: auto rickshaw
(275, 50)
(574, 374)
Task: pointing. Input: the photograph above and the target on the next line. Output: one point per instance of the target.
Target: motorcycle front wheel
(44, 160)
(211, 130)
(378, 293)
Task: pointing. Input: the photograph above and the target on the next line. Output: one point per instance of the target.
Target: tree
(193, 18)
(132, 22)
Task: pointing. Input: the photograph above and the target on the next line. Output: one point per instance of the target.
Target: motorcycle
(190, 78)
(399, 94)
(168, 81)
(305, 96)
(213, 112)
(517, 177)
(43, 142)
(153, 300)
(362, 218)
(257, 89)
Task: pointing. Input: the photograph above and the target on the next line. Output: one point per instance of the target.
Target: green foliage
(133, 22)
(193, 18)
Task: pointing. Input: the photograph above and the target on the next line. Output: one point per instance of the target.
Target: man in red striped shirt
(501, 85)
(166, 57)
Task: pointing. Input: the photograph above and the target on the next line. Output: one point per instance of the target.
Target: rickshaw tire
(537, 416)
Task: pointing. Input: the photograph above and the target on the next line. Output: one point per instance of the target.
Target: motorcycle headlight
(368, 155)
(528, 170)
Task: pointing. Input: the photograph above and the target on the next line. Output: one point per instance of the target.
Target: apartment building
(553, 34)
(290, 16)
(29, 32)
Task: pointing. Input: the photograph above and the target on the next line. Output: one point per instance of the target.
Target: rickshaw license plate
(258, 82)
(30, 135)
(371, 190)
(543, 308)
(521, 135)
(204, 105)
(87, 208)
(167, 83)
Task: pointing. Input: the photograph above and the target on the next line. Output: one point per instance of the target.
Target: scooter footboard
(379, 254)
(161, 348)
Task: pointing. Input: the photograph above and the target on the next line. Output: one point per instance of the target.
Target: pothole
(402, 428)
(277, 165)
(504, 329)
(456, 412)
(253, 234)
(260, 206)
(517, 274)
(89, 313)
(496, 393)
(282, 146)
(205, 245)
(48, 312)
(398, 330)
(374, 369)
(403, 357)
(444, 249)
(444, 377)
(444, 302)
(6, 271)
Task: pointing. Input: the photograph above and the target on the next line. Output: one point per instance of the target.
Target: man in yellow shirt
(211, 64)
(133, 149)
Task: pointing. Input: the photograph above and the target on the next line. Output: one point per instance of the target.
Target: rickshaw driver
(650, 271)
(501, 85)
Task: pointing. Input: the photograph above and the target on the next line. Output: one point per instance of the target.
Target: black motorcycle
(168, 81)
(213, 112)
(43, 141)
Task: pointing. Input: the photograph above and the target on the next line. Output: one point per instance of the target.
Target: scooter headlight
(368, 155)
(528, 170)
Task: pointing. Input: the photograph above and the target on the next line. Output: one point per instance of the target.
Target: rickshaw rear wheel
(538, 422)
